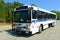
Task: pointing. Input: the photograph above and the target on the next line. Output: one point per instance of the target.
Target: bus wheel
(52, 25)
(40, 28)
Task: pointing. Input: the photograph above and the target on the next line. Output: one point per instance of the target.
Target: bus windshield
(22, 16)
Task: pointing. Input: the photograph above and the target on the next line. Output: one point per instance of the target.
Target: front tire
(40, 29)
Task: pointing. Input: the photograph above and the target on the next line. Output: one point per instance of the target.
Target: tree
(57, 12)
(6, 10)
(17, 4)
(33, 5)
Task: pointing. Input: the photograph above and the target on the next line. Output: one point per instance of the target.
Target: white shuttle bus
(30, 20)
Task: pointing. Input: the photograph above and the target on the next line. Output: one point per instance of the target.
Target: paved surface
(52, 33)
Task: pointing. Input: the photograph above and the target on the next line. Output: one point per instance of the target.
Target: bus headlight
(27, 25)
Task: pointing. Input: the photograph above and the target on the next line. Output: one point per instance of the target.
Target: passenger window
(40, 15)
(34, 14)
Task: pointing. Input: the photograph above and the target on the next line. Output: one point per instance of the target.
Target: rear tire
(51, 25)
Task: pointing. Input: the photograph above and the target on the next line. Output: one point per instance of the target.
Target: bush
(7, 20)
(1, 20)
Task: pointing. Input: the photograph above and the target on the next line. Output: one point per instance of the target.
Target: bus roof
(36, 8)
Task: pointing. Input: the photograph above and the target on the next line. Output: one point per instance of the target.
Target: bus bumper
(23, 32)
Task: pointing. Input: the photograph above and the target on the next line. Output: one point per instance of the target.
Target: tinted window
(22, 16)
(43, 15)
(34, 14)
(40, 15)
(22, 7)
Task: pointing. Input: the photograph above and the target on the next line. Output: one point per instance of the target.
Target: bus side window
(40, 15)
(34, 14)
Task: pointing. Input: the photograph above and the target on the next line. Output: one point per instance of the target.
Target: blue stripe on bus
(38, 20)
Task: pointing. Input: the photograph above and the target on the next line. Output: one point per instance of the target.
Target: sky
(44, 4)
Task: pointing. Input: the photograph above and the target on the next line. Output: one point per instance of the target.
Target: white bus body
(42, 20)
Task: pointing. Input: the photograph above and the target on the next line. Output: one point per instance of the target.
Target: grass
(5, 24)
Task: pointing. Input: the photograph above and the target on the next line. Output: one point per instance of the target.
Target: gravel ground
(52, 33)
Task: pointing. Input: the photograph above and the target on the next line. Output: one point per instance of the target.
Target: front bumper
(22, 31)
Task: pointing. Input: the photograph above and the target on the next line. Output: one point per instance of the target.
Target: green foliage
(57, 12)
(33, 5)
(6, 10)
